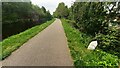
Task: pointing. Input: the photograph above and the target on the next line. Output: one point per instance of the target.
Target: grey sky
(51, 5)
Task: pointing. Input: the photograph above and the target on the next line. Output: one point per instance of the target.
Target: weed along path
(48, 48)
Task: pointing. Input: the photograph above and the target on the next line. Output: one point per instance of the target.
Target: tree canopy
(61, 11)
(101, 20)
(19, 16)
(13, 11)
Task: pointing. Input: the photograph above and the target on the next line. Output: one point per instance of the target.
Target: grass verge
(78, 42)
(14, 42)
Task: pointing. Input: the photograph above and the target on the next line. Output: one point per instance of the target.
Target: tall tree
(61, 11)
(88, 16)
(43, 8)
(21, 15)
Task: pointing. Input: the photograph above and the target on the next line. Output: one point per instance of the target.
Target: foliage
(78, 42)
(14, 42)
(21, 15)
(86, 19)
(110, 42)
(89, 15)
(94, 18)
(11, 11)
(61, 11)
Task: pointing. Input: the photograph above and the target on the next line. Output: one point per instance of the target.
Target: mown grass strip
(78, 43)
(14, 42)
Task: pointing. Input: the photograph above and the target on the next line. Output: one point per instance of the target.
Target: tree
(93, 18)
(21, 16)
(61, 11)
(43, 9)
(48, 14)
(88, 16)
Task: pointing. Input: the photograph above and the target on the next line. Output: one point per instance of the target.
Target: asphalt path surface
(48, 48)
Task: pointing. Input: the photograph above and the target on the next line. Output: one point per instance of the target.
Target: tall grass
(14, 42)
(78, 43)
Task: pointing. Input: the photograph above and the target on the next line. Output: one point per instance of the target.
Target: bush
(78, 42)
(110, 42)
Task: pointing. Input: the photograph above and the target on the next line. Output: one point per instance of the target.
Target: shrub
(110, 42)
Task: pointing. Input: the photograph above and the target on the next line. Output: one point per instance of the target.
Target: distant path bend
(48, 48)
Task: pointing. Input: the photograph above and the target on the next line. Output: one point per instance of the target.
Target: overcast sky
(51, 5)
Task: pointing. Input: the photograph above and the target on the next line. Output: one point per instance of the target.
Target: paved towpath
(48, 48)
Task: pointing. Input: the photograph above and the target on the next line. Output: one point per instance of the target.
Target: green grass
(81, 56)
(14, 42)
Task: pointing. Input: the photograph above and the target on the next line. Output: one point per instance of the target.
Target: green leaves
(78, 42)
(93, 18)
(61, 11)
(13, 11)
